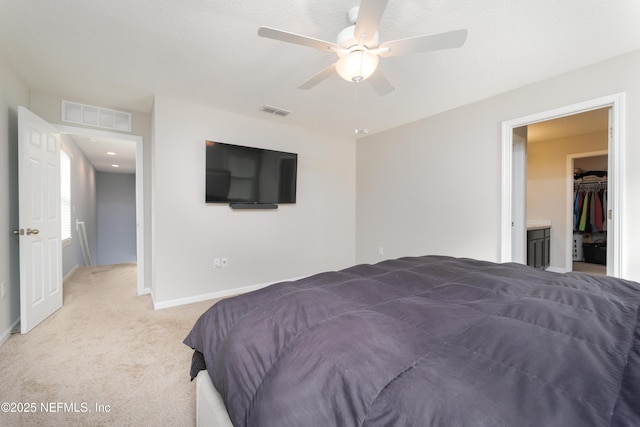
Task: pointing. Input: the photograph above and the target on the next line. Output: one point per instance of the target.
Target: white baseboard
(75, 267)
(212, 295)
(6, 334)
(556, 269)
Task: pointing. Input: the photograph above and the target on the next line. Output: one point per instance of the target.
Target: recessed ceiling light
(115, 166)
(362, 131)
(110, 153)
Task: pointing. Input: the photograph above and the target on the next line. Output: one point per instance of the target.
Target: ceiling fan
(359, 50)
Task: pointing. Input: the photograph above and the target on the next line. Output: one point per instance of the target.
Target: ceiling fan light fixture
(357, 65)
(358, 46)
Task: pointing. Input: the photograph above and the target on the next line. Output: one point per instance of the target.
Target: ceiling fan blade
(369, 17)
(447, 40)
(285, 36)
(380, 83)
(326, 73)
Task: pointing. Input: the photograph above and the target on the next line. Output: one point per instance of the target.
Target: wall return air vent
(89, 115)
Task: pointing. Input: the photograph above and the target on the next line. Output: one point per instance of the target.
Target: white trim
(215, 295)
(6, 334)
(615, 180)
(507, 189)
(616, 148)
(66, 149)
(142, 289)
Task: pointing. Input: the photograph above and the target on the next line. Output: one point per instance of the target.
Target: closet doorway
(590, 180)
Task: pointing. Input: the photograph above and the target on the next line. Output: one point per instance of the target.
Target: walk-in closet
(590, 214)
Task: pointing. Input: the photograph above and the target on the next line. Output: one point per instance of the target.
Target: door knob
(17, 232)
(34, 231)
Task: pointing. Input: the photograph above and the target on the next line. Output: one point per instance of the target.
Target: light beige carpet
(105, 358)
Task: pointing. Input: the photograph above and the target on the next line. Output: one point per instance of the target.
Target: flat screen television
(238, 174)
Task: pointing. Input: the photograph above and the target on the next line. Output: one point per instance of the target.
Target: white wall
(116, 206)
(429, 188)
(13, 93)
(547, 184)
(313, 235)
(433, 186)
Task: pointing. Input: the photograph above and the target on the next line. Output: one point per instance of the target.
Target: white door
(39, 232)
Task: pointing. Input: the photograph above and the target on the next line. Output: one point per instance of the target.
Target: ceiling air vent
(274, 110)
(89, 115)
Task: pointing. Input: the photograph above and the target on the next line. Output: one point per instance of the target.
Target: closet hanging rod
(590, 185)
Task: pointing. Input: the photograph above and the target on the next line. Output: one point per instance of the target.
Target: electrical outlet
(224, 262)
(380, 250)
(3, 289)
(216, 263)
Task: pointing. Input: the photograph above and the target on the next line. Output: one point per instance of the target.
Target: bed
(420, 341)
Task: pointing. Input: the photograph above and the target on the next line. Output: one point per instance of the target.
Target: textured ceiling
(119, 54)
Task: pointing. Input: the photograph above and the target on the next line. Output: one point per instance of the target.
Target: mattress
(210, 409)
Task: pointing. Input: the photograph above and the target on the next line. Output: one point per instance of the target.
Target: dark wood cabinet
(538, 247)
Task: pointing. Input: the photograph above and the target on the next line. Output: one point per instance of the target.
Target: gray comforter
(428, 341)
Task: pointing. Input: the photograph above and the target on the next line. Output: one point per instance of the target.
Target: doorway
(141, 288)
(40, 232)
(514, 164)
(590, 172)
(550, 192)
